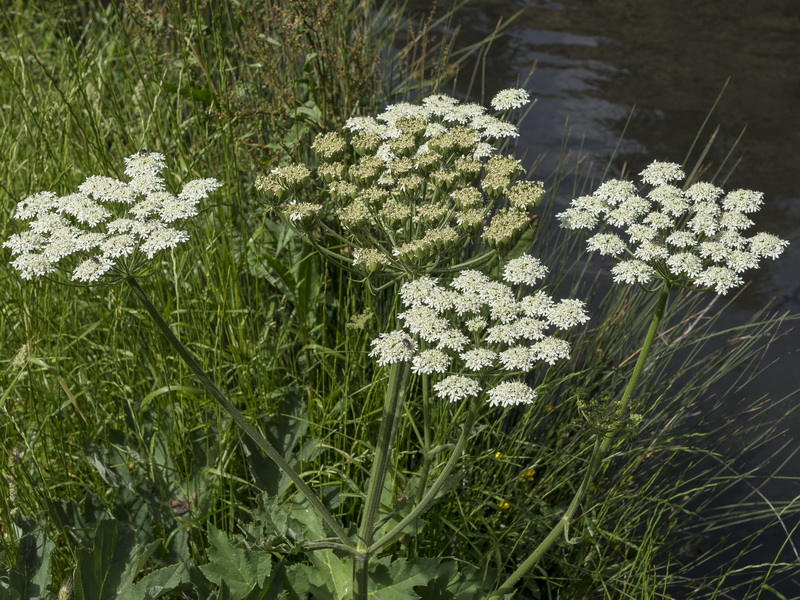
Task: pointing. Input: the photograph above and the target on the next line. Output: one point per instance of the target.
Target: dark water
(671, 59)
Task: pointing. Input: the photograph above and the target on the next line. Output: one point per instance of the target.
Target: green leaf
(141, 554)
(396, 579)
(80, 520)
(284, 431)
(136, 512)
(312, 113)
(290, 583)
(453, 581)
(109, 565)
(30, 575)
(159, 582)
(330, 576)
(224, 593)
(271, 514)
(276, 270)
(202, 586)
(305, 520)
(240, 569)
(268, 525)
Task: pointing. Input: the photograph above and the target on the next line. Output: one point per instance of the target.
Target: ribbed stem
(430, 495)
(237, 417)
(392, 409)
(601, 446)
(426, 438)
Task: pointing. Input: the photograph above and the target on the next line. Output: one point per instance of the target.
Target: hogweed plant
(108, 232)
(407, 192)
(670, 236)
(476, 338)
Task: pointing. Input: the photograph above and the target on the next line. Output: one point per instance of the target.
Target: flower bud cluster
(691, 237)
(106, 221)
(412, 186)
(477, 330)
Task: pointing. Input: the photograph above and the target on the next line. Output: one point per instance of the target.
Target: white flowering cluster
(413, 185)
(510, 99)
(105, 221)
(482, 328)
(690, 237)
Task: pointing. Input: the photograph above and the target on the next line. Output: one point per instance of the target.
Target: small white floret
(510, 99)
(511, 393)
(457, 387)
(92, 269)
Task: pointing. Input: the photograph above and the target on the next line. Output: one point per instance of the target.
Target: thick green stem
(556, 531)
(601, 446)
(426, 439)
(658, 314)
(237, 417)
(431, 494)
(392, 409)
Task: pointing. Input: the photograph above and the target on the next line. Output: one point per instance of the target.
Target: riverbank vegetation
(148, 401)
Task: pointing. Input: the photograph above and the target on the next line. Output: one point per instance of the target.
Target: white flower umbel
(430, 361)
(511, 393)
(525, 269)
(108, 225)
(417, 183)
(480, 331)
(690, 237)
(510, 99)
(393, 347)
(92, 269)
(457, 387)
(32, 265)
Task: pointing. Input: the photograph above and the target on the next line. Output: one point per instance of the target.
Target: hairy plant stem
(431, 494)
(237, 417)
(392, 409)
(426, 443)
(601, 445)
